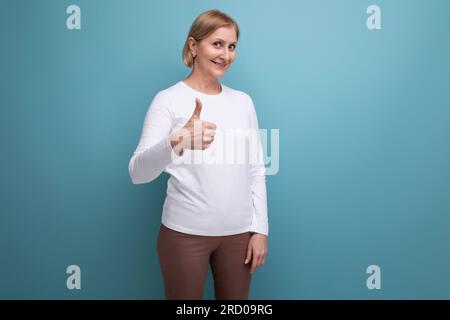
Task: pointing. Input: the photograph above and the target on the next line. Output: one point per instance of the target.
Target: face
(215, 54)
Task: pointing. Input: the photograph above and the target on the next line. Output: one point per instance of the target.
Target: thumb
(249, 254)
(198, 109)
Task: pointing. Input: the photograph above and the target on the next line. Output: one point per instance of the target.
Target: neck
(203, 83)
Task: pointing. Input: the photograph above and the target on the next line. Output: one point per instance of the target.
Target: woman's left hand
(256, 250)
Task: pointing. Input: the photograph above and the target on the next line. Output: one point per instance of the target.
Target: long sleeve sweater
(222, 196)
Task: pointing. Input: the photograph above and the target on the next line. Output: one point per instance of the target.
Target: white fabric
(212, 199)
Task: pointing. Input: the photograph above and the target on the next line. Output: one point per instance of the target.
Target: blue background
(364, 125)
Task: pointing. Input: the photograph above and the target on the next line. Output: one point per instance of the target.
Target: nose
(226, 55)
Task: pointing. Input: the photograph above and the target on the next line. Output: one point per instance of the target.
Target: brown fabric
(185, 258)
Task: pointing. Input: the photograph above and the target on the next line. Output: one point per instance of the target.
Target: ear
(192, 46)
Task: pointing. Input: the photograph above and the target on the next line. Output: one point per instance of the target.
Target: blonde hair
(205, 24)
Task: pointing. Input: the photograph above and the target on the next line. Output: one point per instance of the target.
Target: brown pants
(184, 260)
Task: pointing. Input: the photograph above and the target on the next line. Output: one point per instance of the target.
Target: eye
(234, 47)
(217, 42)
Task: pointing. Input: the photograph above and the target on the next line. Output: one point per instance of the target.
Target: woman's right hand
(195, 134)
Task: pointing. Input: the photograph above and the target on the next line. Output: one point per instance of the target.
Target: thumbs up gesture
(195, 134)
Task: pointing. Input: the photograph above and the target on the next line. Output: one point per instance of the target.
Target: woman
(213, 214)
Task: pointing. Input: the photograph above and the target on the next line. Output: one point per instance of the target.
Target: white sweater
(209, 198)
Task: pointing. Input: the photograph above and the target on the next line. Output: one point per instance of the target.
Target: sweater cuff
(259, 224)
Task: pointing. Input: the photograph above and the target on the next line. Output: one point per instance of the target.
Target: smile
(220, 65)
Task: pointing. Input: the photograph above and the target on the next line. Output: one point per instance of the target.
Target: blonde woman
(214, 213)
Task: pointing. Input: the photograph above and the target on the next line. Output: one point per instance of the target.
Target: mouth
(219, 65)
